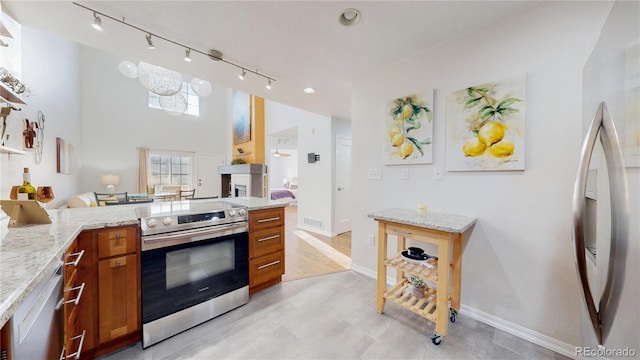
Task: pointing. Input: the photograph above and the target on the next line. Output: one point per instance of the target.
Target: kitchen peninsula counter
(29, 252)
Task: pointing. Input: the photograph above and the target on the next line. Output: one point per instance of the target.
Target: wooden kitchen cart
(441, 301)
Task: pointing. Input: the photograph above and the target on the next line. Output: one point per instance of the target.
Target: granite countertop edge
(431, 220)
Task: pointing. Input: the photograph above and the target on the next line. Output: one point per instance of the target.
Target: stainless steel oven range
(194, 264)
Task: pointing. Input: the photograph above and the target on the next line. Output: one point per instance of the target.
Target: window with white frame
(171, 168)
(193, 100)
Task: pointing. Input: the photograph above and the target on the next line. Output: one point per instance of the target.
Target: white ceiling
(299, 43)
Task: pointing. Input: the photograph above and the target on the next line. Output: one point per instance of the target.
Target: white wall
(116, 120)
(50, 70)
(517, 264)
(314, 180)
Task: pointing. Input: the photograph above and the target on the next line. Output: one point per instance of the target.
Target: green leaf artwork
(409, 128)
(485, 126)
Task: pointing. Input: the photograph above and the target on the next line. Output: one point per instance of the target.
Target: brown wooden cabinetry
(110, 312)
(266, 248)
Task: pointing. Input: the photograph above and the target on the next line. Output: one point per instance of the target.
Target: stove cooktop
(183, 215)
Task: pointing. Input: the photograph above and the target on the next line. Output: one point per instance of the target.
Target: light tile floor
(332, 317)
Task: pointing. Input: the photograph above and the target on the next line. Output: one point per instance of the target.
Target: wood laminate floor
(308, 254)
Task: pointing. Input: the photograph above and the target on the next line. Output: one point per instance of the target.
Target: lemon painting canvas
(409, 130)
(485, 126)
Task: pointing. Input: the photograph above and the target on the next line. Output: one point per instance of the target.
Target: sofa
(87, 199)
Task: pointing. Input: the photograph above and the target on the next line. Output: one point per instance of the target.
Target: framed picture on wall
(64, 156)
(485, 126)
(241, 117)
(409, 130)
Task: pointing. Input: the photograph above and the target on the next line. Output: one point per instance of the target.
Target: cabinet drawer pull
(269, 219)
(269, 238)
(118, 235)
(77, 261)
(77, 299)
(269, 264)
(403, 232)
(76, 355)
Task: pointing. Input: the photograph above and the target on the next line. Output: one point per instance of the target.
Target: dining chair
(187, 194)
(111, 198)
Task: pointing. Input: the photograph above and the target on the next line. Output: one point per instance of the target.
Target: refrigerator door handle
(619, 194)
(602, 318)
(578, 220)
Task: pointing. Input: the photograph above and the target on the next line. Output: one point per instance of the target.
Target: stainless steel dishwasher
(37, 325)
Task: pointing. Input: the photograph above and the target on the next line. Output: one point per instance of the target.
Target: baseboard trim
(498, 323)
(364, 271)
(314, 230)
(520, 331)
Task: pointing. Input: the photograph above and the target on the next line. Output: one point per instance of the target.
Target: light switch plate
(404, 174)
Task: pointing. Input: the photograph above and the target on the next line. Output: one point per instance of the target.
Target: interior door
(342, 191)
(208, 181)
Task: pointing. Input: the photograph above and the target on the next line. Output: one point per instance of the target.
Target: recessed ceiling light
(349, 17)
(309, 90)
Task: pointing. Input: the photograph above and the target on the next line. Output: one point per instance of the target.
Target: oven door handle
(197, 234)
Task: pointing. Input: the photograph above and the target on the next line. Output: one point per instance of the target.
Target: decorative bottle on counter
(26, 191)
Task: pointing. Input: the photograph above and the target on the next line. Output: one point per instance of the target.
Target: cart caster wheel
(436, 339)
(452, 315)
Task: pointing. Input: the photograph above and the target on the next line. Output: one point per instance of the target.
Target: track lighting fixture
(97, 22)
(211, 54)
(268, 84)
(150, 45)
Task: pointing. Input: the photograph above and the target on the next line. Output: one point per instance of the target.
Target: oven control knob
(151, 222)
(242, 212)
(166, 221)
(232, 213)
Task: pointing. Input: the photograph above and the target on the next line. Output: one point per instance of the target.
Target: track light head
(242, 74)
(150, 45)
(187, 55)
(97, 22)
(268, 84)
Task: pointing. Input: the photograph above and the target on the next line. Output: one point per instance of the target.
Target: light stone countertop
(431, 220)
(29, 252)
(255, 203)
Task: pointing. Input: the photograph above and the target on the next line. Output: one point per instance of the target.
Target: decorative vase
(417, 292)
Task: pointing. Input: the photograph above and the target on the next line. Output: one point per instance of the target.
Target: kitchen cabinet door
(118, 312)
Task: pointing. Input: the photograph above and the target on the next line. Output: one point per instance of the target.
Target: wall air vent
(313, 222)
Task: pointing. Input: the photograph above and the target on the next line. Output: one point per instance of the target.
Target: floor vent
(313, 222)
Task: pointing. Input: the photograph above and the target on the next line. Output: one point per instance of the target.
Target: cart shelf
(425, 272)
(425, 306)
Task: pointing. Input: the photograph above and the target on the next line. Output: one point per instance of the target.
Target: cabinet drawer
(263, 242)
(116, 242)
(266, 268)
(262, 219)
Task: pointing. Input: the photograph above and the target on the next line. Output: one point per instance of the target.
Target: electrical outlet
(374, 174)
(404, 174)
(372, 239)
(437, 173)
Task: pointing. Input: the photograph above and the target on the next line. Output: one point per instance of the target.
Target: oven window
(197, 263)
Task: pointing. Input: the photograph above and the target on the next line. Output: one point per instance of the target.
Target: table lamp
(110, 181)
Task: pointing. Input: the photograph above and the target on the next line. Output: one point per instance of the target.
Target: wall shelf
(6, 95)
(10, 150)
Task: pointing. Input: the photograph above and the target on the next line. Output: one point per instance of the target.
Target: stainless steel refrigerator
(606, 229)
